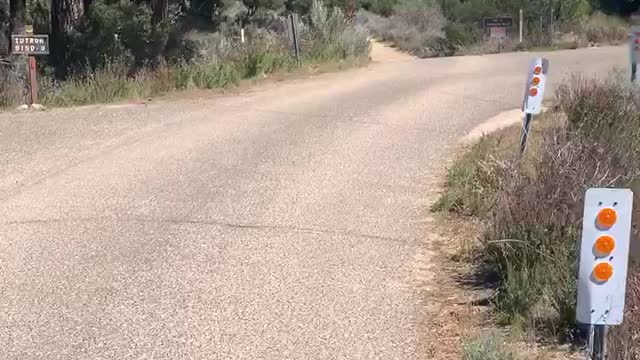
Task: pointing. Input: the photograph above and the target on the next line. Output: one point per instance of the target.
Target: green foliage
(472, 180)
(221, 61)
(120, 30)
(487, 346)
(330, 36)
(460, 34)
(382, 7)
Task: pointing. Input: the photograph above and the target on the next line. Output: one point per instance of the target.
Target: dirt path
(382, 53)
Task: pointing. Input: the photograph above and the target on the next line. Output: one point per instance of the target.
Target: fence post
(521, 20)
(293, 23)
(599, 342)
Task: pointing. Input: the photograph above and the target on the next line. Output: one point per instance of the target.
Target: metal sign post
(30, 44)
(533, 95)
(604, 258)
(634, 48)
(293, 24)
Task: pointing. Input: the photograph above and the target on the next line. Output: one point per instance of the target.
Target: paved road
(282, 223)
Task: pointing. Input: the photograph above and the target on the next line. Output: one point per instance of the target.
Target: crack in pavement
(346, 233)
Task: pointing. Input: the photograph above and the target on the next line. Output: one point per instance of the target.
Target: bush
(13, 81)
(381, 7)
(416, 27)
(488, 346)
(119, 31)
(330, 36)
(601, 28)
(533, 206)
(462, 34)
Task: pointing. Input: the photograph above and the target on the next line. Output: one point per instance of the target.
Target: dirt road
(287, 222)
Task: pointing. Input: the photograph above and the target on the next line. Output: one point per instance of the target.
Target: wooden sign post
(30, 44)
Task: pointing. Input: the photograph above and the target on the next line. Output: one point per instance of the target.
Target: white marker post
(521, 17)
(604, 257)
(533, 95)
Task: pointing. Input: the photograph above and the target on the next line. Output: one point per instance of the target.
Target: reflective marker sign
(535, 85)
(604, 256)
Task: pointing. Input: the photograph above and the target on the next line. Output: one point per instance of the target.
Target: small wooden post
(33, 80)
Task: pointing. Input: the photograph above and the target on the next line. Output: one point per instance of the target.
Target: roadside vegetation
(531, 207)
(431, 28)
(118, 49)
(487, 346)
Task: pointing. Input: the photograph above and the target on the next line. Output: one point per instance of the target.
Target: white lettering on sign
(30, 44)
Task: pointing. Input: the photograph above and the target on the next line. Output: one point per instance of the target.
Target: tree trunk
(160, 10)
(17, 17)
(64, 15)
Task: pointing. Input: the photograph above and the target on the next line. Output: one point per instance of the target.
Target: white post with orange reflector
(533, 95)
(604, 257)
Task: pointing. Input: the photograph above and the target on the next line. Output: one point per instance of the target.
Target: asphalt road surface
(283, 222)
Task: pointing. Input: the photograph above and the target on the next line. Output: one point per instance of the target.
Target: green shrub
(329, 36)
(487, 346)
(119, 31)
(473, 179)
(381, 7)
(461, 34)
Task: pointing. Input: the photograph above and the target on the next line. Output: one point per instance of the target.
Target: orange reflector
(607, 217)
(537, 70)
(603, 272)
(535, 81)
(533, 91)
(605, 244)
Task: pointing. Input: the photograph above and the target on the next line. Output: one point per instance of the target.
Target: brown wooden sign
(30, 44)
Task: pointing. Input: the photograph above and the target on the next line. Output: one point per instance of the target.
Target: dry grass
(532, 206)
(416, 31)
(13, 86)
